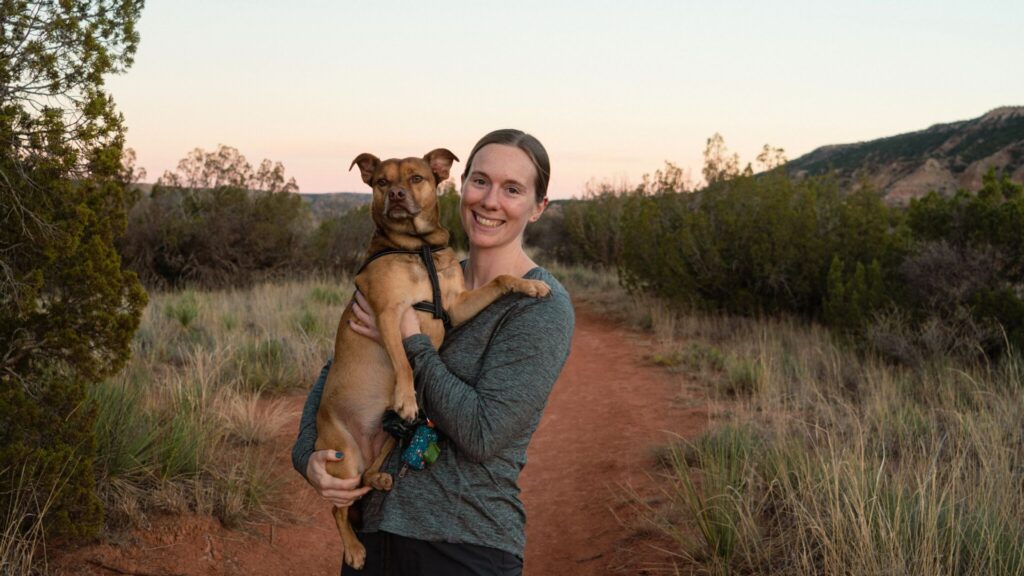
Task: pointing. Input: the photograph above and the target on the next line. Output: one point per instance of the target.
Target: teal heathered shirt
(485, 389)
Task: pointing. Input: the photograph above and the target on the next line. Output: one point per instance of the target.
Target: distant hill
(943, 158)
(330, 204)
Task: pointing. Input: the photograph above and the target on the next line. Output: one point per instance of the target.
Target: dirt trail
(607, 412)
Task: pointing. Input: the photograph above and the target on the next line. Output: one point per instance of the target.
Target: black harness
(426, 255)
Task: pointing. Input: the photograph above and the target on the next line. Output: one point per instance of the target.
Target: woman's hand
(341, 492)
(410, 323)
(365, 322)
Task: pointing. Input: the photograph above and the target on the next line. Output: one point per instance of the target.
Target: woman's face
(498, 197)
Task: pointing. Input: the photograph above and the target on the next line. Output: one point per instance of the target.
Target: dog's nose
(396, 194)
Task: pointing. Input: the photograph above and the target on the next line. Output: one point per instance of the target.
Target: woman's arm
(305, 443)
(521, 365)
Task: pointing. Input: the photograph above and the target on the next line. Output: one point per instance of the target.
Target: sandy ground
(590, 458)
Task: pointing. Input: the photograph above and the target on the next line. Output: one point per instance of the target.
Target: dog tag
(415, 455)
(431, 453)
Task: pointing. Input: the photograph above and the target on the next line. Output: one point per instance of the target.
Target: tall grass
(864, 468)
(833, 461)
(184, 425)
(22, 533)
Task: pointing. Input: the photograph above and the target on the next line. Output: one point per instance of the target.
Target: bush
(339, 244)
(970, 255)
(773, 244)
(214, 237)
(217, 222)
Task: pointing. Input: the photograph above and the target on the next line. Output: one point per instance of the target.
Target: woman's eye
(479, 181)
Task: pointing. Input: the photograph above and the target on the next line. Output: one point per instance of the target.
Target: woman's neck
(486, 264)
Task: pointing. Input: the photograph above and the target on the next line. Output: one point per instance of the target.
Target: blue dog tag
(423, 448)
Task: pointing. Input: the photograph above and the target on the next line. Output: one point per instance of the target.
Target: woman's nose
(490, 199)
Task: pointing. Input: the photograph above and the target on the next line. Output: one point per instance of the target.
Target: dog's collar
(425, 253)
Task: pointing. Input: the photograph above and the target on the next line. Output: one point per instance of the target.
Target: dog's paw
(536, 288)
(355, 554)
(406, 406)
(380, 481)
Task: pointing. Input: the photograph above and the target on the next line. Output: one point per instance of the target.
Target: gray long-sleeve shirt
(485, 390)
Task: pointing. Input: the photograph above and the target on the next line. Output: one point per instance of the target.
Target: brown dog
(365, 378)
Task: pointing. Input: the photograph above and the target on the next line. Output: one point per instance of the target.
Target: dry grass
(182, 427)
(22, 539)
(856, 467)
(833, 462)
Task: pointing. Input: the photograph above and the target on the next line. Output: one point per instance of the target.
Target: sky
(612, 89)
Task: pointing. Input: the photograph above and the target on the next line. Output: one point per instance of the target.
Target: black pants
(393, 555)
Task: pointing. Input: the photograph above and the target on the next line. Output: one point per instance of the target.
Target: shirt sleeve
(520, 366)
(305, 442)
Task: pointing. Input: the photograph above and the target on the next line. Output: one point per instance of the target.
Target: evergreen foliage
(67, 309)
(950, 268)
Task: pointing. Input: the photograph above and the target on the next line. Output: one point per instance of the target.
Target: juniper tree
(67, 310)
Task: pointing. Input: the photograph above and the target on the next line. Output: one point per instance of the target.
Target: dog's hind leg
(334, 437)
(355, 552)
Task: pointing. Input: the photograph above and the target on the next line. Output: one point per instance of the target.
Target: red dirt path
(607, 412)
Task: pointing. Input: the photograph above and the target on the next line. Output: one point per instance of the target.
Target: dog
(366, 379)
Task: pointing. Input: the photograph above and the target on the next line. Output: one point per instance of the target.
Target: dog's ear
(440, 161)
(368, 164)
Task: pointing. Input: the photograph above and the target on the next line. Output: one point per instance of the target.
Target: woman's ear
(538, 210)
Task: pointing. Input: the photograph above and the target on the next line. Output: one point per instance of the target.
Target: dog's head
(405, 190)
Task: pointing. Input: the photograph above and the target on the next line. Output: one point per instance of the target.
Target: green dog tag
(432, 452)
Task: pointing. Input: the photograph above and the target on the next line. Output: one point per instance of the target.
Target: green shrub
(339, 244)
(308, 323)
(126, 434)
(185, 309)
(220, 236)
(265, 366)
(328, 296)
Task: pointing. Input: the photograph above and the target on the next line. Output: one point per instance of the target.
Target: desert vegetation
(939, 277)
(841, 463)
(824, 458)
(867, 357)
(182, 427)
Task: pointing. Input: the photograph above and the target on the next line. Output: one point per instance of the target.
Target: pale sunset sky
(612, 89)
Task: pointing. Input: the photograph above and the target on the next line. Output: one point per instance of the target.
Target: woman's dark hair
(525, 142)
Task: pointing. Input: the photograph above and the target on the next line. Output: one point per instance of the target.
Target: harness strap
(426, 255)
(434, 308)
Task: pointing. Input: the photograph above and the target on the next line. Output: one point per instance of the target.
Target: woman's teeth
(487, 222)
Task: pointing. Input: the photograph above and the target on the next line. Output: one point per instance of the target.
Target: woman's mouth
(487, 222)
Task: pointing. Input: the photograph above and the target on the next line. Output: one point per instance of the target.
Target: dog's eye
(382, 182)
(416, 179)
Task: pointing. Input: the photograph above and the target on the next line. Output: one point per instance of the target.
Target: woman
(484, 389)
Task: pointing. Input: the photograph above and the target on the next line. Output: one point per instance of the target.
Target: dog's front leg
(404, 398)
(469, 303)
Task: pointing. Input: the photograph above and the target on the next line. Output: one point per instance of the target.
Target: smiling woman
(484, 390)
(496, 197)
